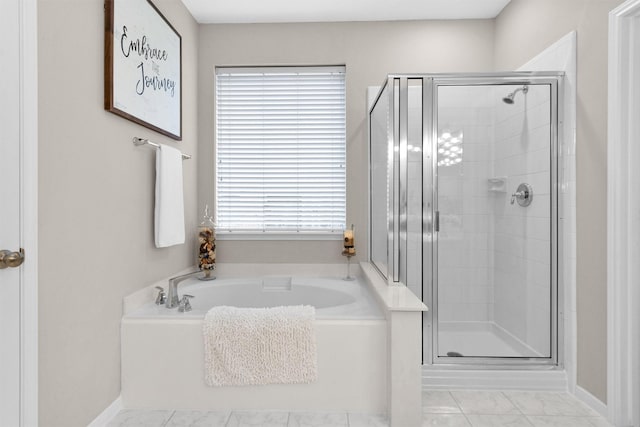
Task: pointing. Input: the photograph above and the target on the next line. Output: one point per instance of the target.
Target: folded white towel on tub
(255, 346)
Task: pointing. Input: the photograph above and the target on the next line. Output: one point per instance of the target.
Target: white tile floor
(509, 408)
(458, 408)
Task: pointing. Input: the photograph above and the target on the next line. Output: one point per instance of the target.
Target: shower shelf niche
(498, 184)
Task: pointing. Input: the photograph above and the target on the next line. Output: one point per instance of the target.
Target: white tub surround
(403, 311)
(163, 367)
(163, 357)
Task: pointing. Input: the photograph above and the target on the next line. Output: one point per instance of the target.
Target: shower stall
(464, 211)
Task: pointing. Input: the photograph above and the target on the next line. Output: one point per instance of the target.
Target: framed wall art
(143, 66)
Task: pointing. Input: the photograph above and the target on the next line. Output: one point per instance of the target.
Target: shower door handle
(436, 222)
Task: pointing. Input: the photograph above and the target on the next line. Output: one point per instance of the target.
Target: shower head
(509, 99)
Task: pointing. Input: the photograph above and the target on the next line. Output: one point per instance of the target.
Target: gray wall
(96, 200)
(524, 29)
(370, 50)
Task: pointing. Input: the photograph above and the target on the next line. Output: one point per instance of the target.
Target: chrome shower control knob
(514, 196)
(523, 195)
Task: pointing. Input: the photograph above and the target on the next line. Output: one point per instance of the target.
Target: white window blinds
(280, 149)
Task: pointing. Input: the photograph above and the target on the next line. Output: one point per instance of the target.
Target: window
(280, 158)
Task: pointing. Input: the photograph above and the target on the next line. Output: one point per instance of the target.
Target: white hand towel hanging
(169, 211)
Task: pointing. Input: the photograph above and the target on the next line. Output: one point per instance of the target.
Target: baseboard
(108, 414)
(591, 401)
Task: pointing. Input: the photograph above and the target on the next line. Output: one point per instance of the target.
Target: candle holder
(348, 241)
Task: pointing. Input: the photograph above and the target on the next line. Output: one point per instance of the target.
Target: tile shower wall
(465, 245)
(522, 234)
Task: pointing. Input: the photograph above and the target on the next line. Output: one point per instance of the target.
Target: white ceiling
(255, 11)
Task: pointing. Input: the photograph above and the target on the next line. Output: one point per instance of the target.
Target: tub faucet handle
(185, 305)
(162, 296)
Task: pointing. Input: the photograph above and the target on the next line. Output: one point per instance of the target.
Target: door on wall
(10, 239)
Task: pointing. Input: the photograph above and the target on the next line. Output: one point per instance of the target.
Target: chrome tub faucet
(172, 292)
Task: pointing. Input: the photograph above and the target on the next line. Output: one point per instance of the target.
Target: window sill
(278, 235)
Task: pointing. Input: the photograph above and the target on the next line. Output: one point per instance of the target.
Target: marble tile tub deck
(456, 408)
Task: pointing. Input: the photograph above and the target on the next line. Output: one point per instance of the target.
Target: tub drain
(454, 354)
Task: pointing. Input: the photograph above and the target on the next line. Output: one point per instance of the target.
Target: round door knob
(11, 259)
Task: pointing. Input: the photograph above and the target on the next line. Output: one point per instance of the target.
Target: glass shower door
(495, 291)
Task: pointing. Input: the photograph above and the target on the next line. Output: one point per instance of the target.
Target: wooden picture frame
(143, 66)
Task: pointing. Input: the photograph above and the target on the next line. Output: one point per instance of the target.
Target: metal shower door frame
(395, 271)
(430, 207)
